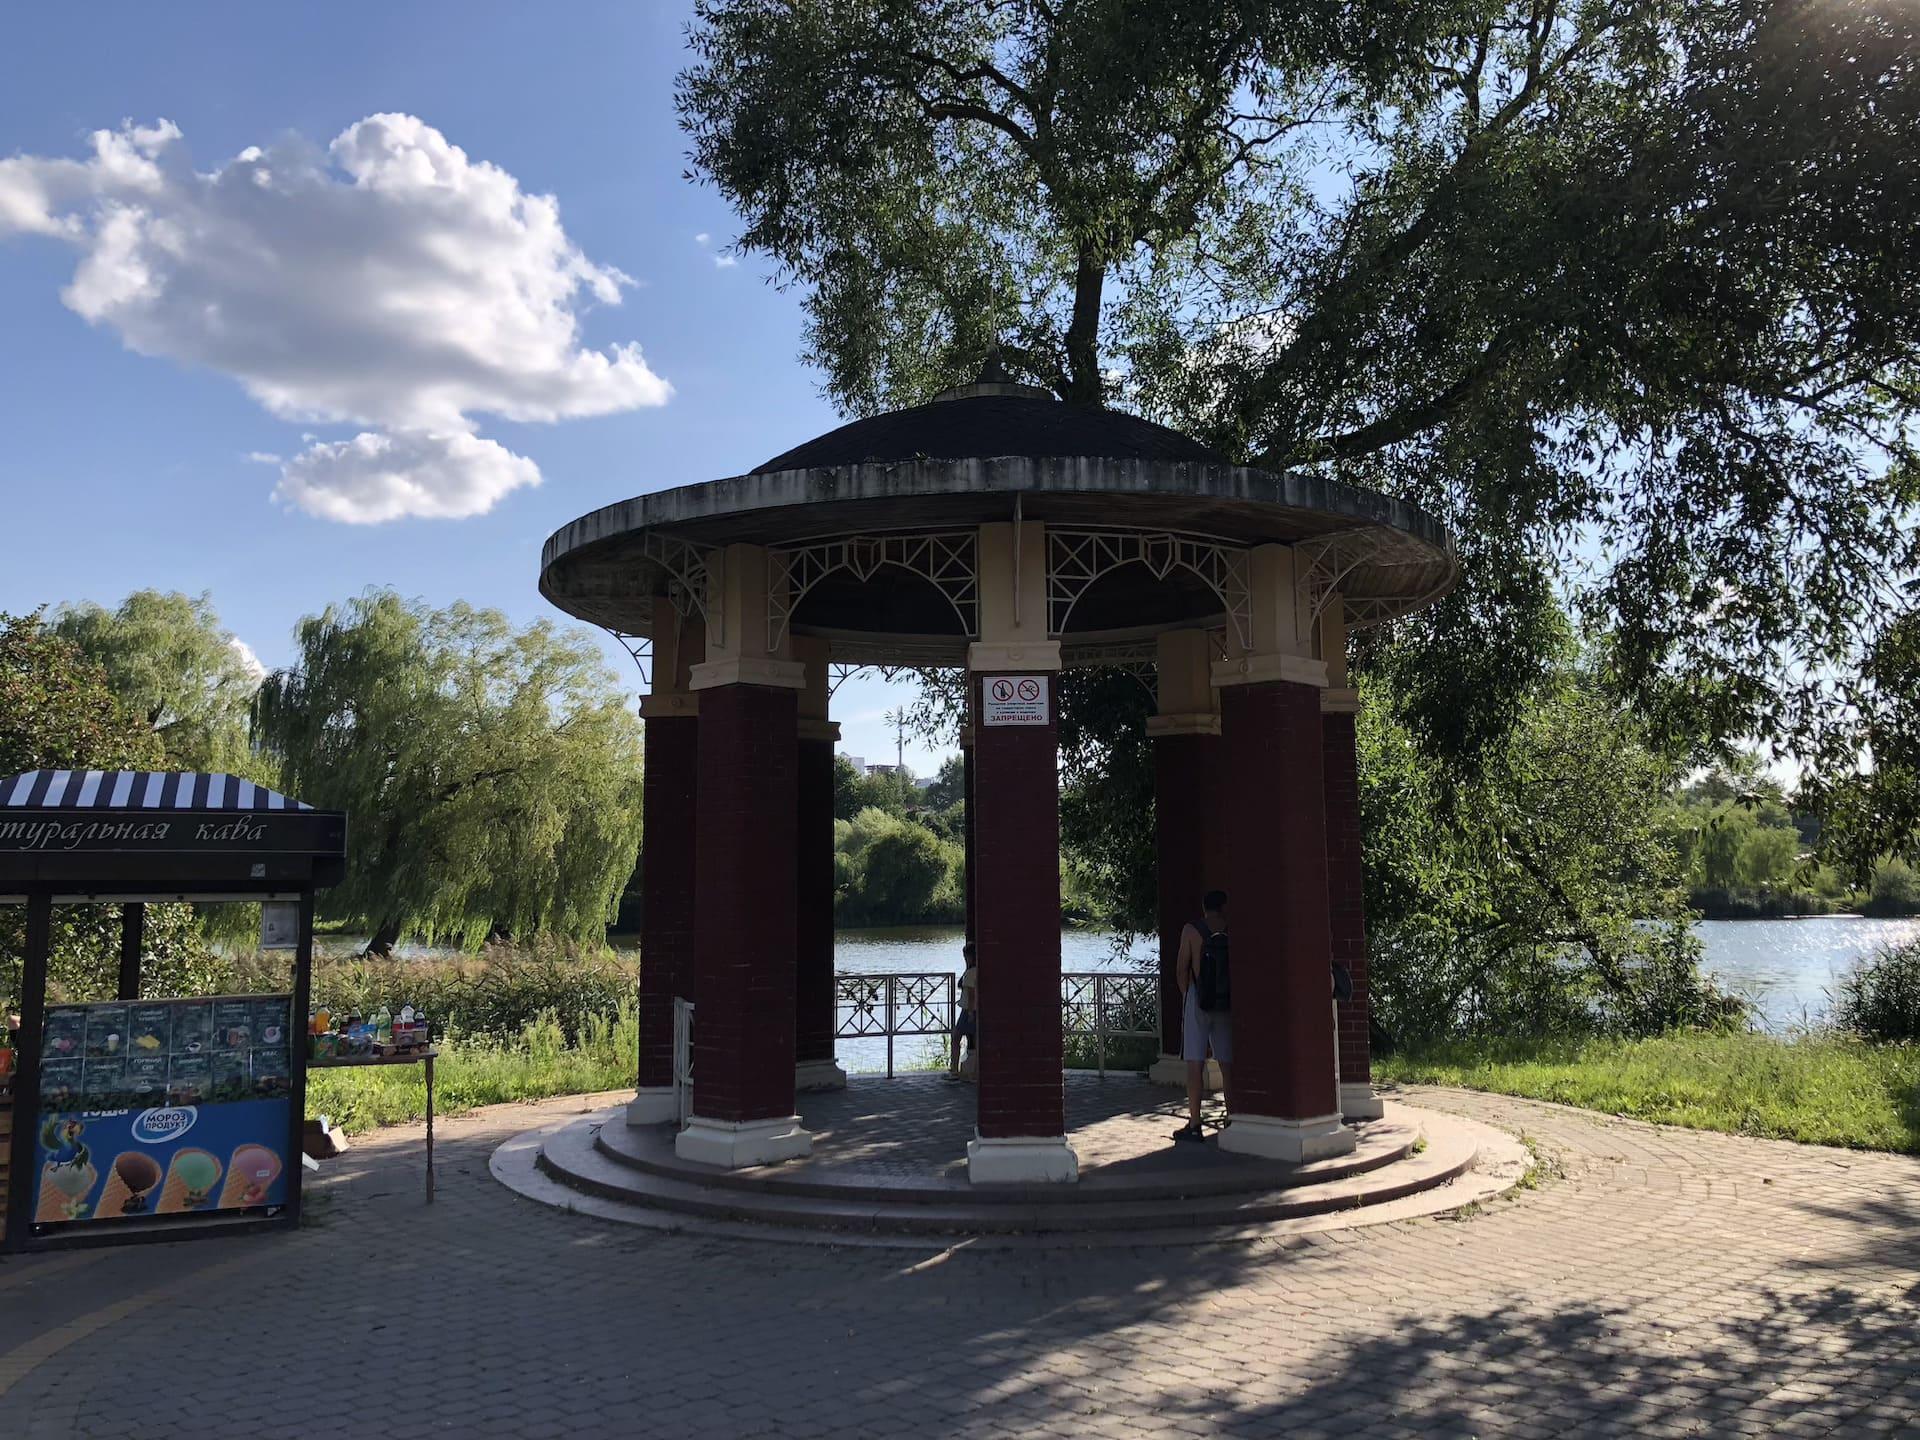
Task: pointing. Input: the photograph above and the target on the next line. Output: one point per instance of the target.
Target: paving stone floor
(1662, 1282)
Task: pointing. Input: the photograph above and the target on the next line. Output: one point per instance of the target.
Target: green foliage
(1538, 895)
(535, 1064)
(1585, 278)
(892, 791)
(1820, 1090)
(491, 776)
(488, 996)
(1768, 857)
(1896, 889)
(1740, 843)
(1880, 998)
(949, 787)
(894, 871)
(1106, 796)
(58, 709)
(168, 659)
(1081, 1051)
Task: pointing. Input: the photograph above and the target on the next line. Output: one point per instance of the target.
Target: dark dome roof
(980, 426)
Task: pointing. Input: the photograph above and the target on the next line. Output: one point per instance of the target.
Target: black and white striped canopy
(158, 790)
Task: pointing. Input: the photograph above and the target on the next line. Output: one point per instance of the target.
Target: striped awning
(158, 790)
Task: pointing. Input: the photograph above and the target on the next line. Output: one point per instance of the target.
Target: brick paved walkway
(1666, 1283)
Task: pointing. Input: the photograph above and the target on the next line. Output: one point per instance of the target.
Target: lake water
(1786, 968)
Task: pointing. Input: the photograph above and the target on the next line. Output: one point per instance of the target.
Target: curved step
(573, 1157)
(649, 1150)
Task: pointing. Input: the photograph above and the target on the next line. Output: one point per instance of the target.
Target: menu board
(164, 1108)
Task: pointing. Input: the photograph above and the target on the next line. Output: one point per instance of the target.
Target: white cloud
(376, 477)
(261, 457)
(387, 281)
(249, 661)
(720, 262)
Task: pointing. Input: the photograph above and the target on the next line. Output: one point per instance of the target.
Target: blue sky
(123, 470)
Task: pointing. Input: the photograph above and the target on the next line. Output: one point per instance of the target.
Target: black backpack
(1216, 986)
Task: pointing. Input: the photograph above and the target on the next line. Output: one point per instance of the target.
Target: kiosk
(144, 1117)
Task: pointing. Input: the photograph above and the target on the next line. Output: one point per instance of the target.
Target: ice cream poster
(172, 1107)
(167, 1160)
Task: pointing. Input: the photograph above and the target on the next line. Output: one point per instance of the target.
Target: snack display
(331, 1036)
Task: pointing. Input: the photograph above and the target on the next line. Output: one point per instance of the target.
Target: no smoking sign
(1014, 700)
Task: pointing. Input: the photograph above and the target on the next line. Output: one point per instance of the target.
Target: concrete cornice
(1016, 658)
(669, 705)
(1261, 669)
(1197, 724)
(1339, 700)
(828, 730)
(748, 670)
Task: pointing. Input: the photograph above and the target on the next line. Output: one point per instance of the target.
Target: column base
(737, 1144)
(653, 1105)
(1299, 1141)
(1172, 1070)
(1358, 1102)
(1021, 1160)
(819, 1075)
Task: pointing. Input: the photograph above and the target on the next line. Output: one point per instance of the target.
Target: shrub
(1880, 999)
(1896, 889)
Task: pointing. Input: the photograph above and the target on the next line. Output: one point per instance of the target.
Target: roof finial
(993, 370)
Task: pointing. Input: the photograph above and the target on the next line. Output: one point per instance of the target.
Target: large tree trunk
(1083, 335)
(383, 941)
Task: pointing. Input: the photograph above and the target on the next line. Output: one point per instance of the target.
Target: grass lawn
(540, 1065)
(1821, 1089)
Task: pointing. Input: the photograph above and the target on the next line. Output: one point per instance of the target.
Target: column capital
(1339, 700)
(1015, 658)
(1161, 726)
(750, 670)
(1260, 669)
(828, 730)
(669, 705)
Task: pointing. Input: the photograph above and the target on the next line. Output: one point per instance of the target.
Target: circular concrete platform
(888, 1166)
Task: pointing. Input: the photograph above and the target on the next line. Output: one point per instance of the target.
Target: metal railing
(1110, 1005)
(899, 1003)
(1105, 1005)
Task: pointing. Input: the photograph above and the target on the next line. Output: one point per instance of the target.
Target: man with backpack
(1206, 988)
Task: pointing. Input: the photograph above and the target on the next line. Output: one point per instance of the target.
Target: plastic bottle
(383, 1025)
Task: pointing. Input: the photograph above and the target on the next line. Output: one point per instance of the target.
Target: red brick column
(1184, 766)
(1016, 826)
(1286, 1102)
(669, 790)
(1346, 907)
(970, 868)
(813, 980)
(746, 861)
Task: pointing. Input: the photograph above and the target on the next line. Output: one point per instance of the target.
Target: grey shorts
(1206, 1027)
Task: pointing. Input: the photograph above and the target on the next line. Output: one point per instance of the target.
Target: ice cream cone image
(131, 1180)
(63, 1192)
(190, 1182)
(251, 1171)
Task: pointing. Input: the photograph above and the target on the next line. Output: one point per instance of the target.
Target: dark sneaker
(1189, 1132)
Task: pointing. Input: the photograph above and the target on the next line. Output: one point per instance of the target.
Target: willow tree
(491, 776)
(170, 660)
(1626, 291)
